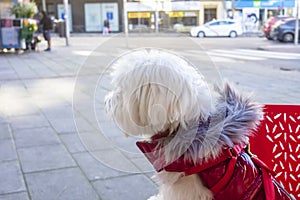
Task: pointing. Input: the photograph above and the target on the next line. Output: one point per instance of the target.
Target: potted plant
(24, 10)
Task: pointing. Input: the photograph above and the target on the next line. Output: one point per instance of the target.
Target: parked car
(273, 34)
(286, 31)
(270, 22)
(224, 27)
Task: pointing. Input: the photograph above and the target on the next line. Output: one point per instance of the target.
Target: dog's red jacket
(233, 175)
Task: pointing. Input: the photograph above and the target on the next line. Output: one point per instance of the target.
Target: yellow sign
(176, 14)
(138, 15)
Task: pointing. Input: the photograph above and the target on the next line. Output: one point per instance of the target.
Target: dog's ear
(154, 108)
(115, 110)
(134, 110)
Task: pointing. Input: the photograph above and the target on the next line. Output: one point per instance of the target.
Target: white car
(226, 27)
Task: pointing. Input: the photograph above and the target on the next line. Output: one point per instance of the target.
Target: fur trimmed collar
(233, 121)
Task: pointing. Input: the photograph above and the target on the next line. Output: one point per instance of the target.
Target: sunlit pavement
(49, 146)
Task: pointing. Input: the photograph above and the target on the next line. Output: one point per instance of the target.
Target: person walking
(105, 27)
(46, 22)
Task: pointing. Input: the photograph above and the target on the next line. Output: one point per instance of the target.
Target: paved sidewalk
(41, 154)
(50, 120)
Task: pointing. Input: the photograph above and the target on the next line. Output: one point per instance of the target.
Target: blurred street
(57, 143)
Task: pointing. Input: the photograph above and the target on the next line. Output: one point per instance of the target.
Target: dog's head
(154, 91)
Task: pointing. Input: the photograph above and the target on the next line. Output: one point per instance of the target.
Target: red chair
(278, 144)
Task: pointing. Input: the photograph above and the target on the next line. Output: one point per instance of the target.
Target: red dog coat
(232, 175)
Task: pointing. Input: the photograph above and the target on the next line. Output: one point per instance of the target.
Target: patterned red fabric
(278, 144)
(232, 176)
(247, 182)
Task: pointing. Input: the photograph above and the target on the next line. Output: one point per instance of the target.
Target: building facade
(87, 15)
(253, 13)
(172, 14)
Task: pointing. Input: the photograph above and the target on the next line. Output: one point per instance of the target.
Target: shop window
(273, 12)
(50, 9)
(139, 23)
(210, 14)
(186, 21)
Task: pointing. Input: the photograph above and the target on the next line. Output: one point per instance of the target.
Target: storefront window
(273, 12)
(186, 21)
(210, 14)
(183, 18)
(139, 20)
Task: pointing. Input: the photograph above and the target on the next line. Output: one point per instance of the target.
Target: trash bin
(61, 28)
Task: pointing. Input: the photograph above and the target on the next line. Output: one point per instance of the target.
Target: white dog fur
(155, 91)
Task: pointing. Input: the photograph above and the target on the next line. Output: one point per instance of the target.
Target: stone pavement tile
(127, 144)
(51, 61)
(66, 72)
(58, 112)
(3, 119)
(35, 137)
(7, 150)
(28, 121)
(47, 73)
(16, 106)
(63, 184)
(44, 158)
(11, 178)
(101, 114)
(13, 88)
(27, 73)
(44, 101)
(85, 111)
(63, 125)
(84, 125)
(4, 131)
(93, 168)
(15, 100)
(143, 164)
(104, 83)
(128, 187)
(94, 141)
(110, 129)
(73, 143)
(42, 70)
(115, 159)
(22, 68)
(14, 196)
(88, 116)
(47, 84)
(52, 88)
(8, 75)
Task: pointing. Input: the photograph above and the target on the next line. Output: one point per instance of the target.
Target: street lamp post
(66, 16)
(281, 7)
(297, 23)
(157, 16)
(44, 5)
(125, 18)
(232, 8)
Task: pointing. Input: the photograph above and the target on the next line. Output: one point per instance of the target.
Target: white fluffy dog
(188, 127)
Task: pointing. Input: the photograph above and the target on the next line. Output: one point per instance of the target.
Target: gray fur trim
(232, 122)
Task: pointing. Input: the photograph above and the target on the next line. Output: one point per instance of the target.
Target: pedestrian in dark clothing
(106, 27)
(46, 22)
